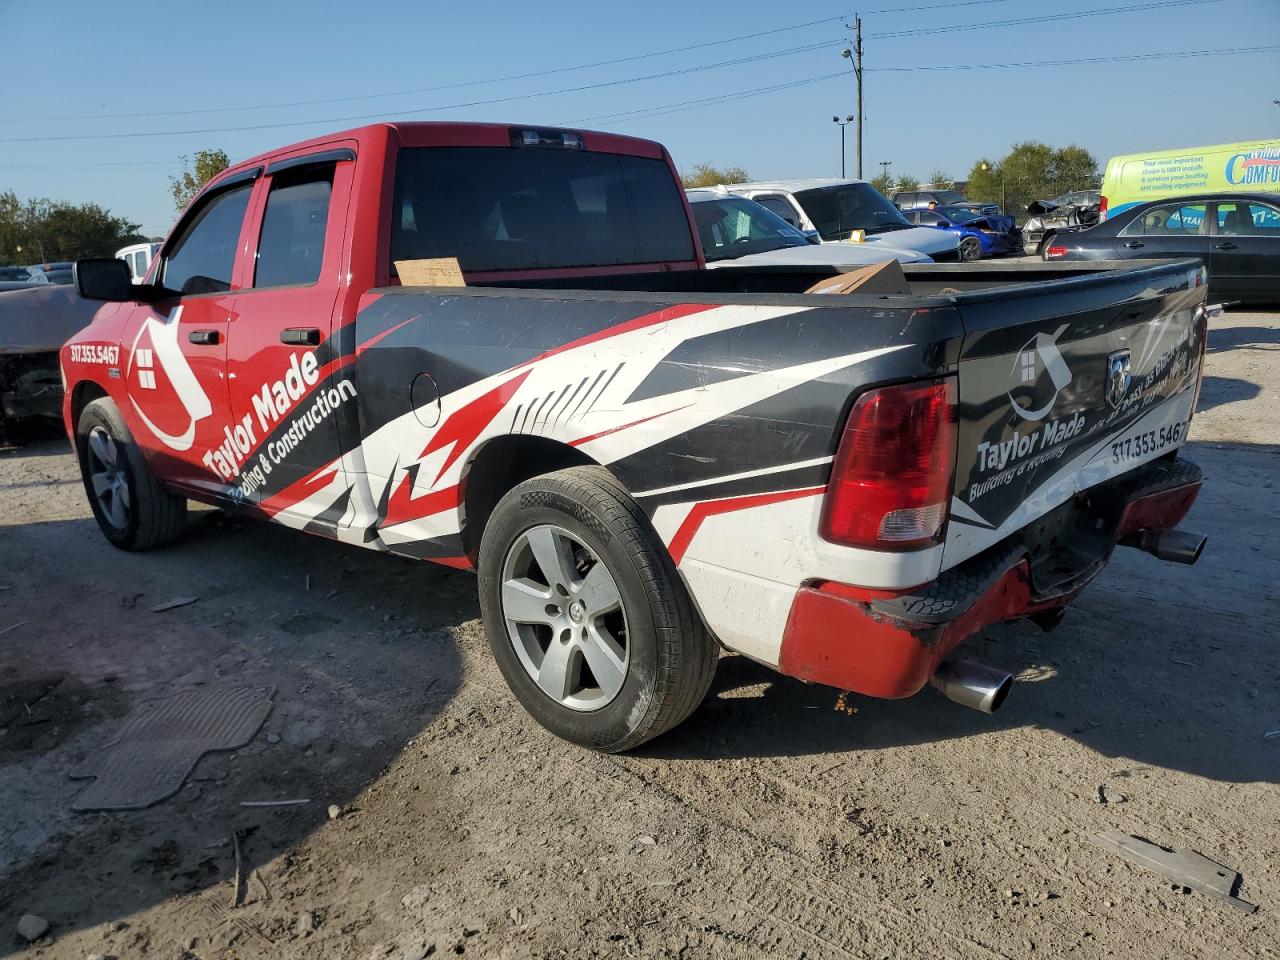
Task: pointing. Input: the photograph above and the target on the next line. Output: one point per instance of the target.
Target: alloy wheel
(107, 477)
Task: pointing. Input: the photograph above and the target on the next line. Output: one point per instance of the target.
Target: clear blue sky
(88, 60)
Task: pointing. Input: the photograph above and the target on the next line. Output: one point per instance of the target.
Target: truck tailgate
(1063, 386)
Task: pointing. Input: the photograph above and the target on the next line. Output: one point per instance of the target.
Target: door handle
(203, 337)
(301, 336)
(1226, 246)
(1135, 244)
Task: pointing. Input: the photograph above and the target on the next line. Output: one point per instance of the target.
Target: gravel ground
(782, 820)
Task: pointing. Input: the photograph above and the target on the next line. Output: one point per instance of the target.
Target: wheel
(970, 249)
(586, 615)
(133, 509)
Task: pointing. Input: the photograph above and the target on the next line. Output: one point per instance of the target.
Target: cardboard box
(877, 278)
(436, 272)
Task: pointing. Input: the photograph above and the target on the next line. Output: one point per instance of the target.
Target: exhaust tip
(973, 685)
(1177, 546)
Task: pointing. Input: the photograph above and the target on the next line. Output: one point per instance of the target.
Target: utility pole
(854, 57)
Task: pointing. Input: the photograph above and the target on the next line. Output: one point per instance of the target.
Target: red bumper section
(888, 644)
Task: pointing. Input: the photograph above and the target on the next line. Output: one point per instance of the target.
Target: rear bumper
(30, 386)
(888, 644)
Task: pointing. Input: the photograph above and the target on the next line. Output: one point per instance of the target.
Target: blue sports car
(992, 235)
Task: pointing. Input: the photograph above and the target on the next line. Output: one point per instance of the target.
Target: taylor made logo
(1119, 377)
(164, 391)
(1038, 375)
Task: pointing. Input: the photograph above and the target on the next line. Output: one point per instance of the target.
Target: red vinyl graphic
(709, 508)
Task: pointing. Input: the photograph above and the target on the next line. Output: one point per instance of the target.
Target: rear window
(527, 209)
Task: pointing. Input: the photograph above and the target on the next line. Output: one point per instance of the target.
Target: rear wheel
(970, 249)
(586, 615)
(133, 509)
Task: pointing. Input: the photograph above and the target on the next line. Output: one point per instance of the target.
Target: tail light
(1055, 251)
(891, 482)
(1102, 208)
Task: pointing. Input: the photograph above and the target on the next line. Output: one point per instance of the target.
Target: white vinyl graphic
(166, 355)
(1039, 358)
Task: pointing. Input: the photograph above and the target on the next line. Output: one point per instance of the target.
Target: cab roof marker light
(534, 137)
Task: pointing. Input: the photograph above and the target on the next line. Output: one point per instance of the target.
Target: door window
(1241, 219)
(1168, 220)
(781, 208)
(291, 246)
(201, 259)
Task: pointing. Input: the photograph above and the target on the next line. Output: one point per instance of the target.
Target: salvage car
(498, 349)
(1069, 212)
(836, 209)
(1236, 234)
(978, 236)
(34, 324)
(735, 230)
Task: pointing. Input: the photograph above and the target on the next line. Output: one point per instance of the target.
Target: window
(499, 208)
(291, 246)
(927, 218)
(1168, 220)
(1248, 220)
(780, 207)
(201, 259)
(732, 227)
(139, 264)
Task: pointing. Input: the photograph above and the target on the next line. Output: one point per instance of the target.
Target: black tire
(153, 516)
(970, 250)
(671, 657)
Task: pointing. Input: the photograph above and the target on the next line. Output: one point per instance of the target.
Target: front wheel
(970, 249)
(133, 509)
(586, 615)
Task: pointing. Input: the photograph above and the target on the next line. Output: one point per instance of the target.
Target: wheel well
(84, 393)
(501, 465)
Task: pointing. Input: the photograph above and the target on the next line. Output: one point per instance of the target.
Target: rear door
(1167, 230)
(1063, 385)
(1245, 253)
(286, 377)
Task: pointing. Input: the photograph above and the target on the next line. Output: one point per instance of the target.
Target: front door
(288, 383)
(1246, 251)
(174, 371)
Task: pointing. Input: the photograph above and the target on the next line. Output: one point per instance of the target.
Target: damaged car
(1071, 211)
(34, 324)
(989, 235)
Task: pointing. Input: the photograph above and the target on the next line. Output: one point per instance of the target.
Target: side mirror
(104, 278)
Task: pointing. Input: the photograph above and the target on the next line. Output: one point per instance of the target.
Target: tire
(970, 250)
(654, 657)
(133, 509)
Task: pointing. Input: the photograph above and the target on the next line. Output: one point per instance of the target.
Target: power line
(490, 80)
(1050, 18)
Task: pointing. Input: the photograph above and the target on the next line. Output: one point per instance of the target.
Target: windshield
(838, 211)
(957, 214)
(734, 227)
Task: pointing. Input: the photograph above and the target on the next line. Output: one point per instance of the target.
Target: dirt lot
(782, 820)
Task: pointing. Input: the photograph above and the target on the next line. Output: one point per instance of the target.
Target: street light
(842, 124)
(1004, 200)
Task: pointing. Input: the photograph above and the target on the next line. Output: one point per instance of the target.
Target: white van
(138, 256)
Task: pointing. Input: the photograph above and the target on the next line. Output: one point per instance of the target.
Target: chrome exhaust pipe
(1177, 546)
(972, 684)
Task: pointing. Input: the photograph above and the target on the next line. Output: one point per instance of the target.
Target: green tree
(43, 230)
(940, 180)
(908, 182)
(705, 175)
(1032, 171)
(883, 182)
(207, 165)
(984, 181)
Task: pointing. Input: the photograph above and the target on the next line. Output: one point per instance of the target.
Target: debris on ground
(335, 811)
(1185, 867)
(173, 604)
(31, 927)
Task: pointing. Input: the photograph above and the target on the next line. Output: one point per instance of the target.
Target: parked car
(643, 459)
(34, 323)
(138, 256)
(834, 209)
(1069, 212)
(58, 271)
(18, 278)
(920, 200)
(978, 236)
(740, 232)
(1237, 235)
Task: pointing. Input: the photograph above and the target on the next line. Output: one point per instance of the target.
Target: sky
(102, 99)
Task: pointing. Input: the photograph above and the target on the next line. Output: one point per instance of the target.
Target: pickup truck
(641, 458)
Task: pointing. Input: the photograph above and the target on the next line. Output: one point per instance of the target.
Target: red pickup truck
(641, 458)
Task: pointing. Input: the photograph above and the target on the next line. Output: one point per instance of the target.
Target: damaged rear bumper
(30, 386)
(889, 643)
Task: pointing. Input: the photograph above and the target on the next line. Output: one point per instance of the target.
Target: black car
(1237, 235)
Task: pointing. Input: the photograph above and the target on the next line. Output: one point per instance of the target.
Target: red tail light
(891, 481)
(1102, 208)
(1055, 251)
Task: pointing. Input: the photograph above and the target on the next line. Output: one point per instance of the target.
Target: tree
(208, 164)
(984, 181)
(939, 180)
(1032, 171)
(908, 182)
(44, 230)
(883, 182)
(705, 175)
